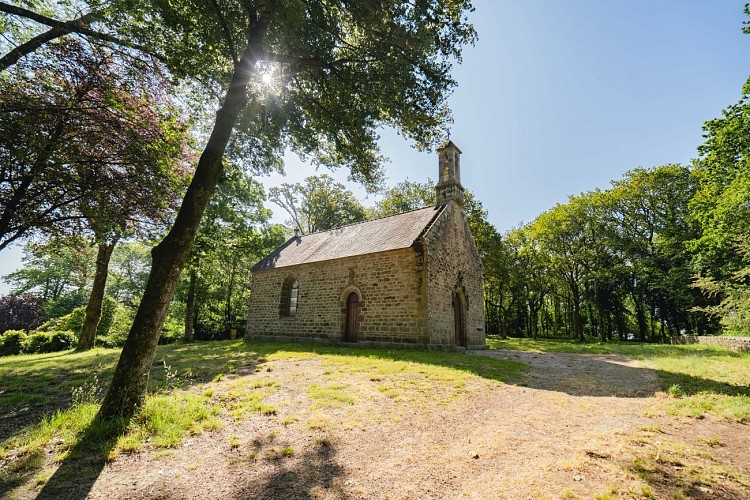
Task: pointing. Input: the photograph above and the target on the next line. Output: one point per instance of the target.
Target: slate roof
(378, 235)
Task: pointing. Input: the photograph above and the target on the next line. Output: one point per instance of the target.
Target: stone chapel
(411, 279)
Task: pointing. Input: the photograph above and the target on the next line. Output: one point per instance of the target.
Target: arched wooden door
(458, 320)
(352, 318)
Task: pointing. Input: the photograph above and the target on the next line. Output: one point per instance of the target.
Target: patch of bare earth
(579, 425)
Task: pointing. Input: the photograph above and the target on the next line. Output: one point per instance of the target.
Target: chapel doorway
(458, 320)
(352, 318)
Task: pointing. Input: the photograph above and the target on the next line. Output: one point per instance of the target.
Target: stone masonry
(387, 284)
(454, 267)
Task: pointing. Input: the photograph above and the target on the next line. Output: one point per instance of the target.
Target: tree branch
(30, 46)
(225, 31)
(75, 26)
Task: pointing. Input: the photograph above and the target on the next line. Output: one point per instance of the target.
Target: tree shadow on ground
(574, 374)
(82, 464)
(605, 375)
(32, 388)
(79, 470)
(311, 475)
(492, 369)
(673, 467)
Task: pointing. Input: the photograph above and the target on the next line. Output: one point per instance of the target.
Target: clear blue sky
(559, 97)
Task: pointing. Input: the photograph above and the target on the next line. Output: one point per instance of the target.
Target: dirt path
(570, 429)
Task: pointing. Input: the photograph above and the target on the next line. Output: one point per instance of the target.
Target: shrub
(172, 331)
(109, 308)
(63, 340)
(41, 342)
(122, 318)
(12, 342)
(38, 342)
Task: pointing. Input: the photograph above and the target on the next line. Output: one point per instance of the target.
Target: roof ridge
(440, 209)
(367, 220)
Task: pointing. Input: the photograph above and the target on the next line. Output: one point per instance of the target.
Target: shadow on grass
(37, 385)
(488, 368)
(80, 467)
(592, 346)
(22, 360)
(26, 381)
(682, 476)
(298, 476)
(606, 375)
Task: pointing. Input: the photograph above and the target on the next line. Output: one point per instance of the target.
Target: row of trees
(60, 271)
(611, 264)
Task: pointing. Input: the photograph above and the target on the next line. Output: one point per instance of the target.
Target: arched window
(289, 297)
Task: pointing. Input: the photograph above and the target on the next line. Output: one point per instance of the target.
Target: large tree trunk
(190, 307)
(94, 307)
(130, 380)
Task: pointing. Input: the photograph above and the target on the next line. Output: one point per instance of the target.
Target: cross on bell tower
(449, 174)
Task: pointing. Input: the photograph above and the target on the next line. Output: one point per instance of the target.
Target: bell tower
(449, 174)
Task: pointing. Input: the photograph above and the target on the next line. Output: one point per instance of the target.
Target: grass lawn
(699, 378)
(50, 400)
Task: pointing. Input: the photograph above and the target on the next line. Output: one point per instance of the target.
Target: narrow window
(293, 294)
(289, 297)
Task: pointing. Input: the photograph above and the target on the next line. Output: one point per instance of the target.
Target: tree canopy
(317, 204)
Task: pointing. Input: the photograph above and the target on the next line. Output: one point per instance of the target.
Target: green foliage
(128, 271)
(121, 321)
(19, 342)
(107, 318)
(55, 270)
(675, 390)
(733, 293)
(723, 175)
(72, 321)
(721, 208)
(41, 342)
(405, 196)
(63, 340)
(234, 235)
(317, 204)
(12, 342)
(172, 330)
(113, 327)
(66, 304)
(605, 263)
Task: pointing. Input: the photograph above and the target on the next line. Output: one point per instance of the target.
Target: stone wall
(388, 284)
(453, 267)
(736, 343)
